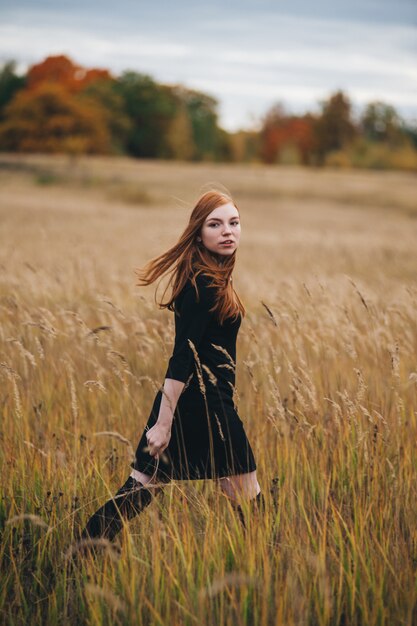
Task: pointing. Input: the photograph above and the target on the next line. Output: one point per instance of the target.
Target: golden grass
(326, 387)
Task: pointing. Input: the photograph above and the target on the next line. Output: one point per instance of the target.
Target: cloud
(247, 61)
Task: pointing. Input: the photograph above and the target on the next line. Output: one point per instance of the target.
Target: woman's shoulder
(202, 280)
(201, 288)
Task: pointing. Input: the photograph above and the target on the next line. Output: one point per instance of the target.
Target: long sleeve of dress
(190, 324)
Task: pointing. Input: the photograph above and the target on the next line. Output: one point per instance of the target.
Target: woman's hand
(158, 438)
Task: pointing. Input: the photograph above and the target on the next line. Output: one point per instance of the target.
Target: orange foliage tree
(60, 69)
(280, 131)
(48, 119)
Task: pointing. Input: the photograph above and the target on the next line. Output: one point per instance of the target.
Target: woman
(194, 431)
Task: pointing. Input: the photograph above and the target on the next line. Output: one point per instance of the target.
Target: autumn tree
(60, 69)
(282, 133)
(224, 149)
(244, 146)
(64, 107)
(48, 119)
(104, 94)
(180, 142)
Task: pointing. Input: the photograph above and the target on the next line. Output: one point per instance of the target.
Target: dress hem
(165, 477)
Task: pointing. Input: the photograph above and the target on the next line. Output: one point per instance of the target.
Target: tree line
(59, 106)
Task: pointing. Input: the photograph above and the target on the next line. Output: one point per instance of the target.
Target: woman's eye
(233, 223)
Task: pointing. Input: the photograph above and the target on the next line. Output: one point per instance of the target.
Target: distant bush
(374, 155)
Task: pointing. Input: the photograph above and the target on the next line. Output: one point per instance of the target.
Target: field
(326, 387)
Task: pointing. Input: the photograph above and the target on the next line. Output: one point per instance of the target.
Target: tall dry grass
(326, 387)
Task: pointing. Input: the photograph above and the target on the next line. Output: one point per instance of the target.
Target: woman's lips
(229, 243)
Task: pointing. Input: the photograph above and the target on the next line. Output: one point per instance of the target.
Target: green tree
(224, 148)
(202, 109)
(410, 129)
(244, 146)
(195, 127)
(10, 83)
(151, 109)
(180, 136)
(105, 93)
(380, 122)
(334, 128)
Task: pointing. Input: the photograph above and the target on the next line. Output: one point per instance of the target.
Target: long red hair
(189, 258)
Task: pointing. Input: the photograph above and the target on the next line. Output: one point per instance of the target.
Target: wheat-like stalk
(119, 437)
(31, 445)
(36, 520)
(110, 598)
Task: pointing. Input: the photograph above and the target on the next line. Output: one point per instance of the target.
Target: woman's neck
(217, 258)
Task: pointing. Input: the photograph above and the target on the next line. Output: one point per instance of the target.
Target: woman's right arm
(159, 435)
(171, 392)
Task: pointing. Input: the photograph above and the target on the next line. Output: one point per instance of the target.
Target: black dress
(208, 439)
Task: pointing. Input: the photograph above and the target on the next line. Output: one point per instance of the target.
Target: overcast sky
(248, 54)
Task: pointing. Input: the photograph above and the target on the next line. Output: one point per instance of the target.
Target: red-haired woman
(194, 431)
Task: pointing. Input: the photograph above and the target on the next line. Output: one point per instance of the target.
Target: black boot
(256, 505)
(128, 502)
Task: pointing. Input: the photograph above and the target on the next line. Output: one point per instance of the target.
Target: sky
(248, 54)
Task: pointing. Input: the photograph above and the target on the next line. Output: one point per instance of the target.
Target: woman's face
(221, 225)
